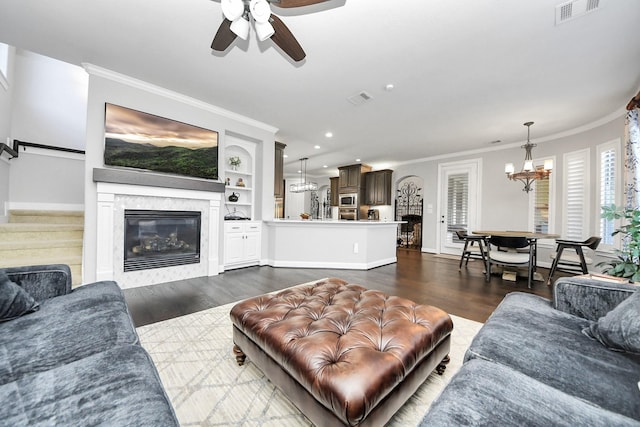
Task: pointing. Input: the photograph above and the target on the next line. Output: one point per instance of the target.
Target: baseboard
(33, 206)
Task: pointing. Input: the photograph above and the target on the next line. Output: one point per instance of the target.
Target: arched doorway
(408, 208)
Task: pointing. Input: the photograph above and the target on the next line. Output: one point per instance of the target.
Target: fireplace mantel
(150, 179)
(118, 190)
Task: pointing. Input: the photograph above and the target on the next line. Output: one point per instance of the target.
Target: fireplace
(157, 238)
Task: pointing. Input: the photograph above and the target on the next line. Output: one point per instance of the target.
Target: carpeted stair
(43, 237)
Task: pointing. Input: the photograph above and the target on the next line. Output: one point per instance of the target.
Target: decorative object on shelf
(234, 197)
(529, 173)
(240, 183)
(237, 14)
(305, 216)
(228, 181)
(303, 185)
(234, 161)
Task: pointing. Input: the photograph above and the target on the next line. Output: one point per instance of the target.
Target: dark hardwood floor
(424, 278)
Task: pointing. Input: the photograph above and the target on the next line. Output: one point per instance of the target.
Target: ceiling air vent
(360, 98)
(573, 9)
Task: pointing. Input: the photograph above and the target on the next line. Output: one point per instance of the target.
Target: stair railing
(15, 151)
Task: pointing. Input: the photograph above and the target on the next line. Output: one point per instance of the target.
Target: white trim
(4, 82)
(550, 138)
(32, 206)
(148, 87)
(334, 265)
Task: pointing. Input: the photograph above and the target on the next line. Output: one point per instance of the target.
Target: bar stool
(569, 262)
(471, 250)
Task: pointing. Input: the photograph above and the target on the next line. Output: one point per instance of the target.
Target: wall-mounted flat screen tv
(138, 140)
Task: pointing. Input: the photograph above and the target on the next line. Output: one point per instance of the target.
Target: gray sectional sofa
(572, 361)
(72, 357)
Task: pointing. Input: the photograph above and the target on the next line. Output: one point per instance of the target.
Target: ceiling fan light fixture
(260, 10)
(232, 9)
(240, 27)
(264, 30)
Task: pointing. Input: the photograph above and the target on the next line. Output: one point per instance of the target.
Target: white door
(458, 208)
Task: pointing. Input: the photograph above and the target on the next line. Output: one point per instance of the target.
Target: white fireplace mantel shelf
(119, 190)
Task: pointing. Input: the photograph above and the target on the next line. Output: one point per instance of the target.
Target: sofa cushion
(14, 301)
(490, 394)
(527, 334)
(89, 320)
(620, 328)
(117, 387)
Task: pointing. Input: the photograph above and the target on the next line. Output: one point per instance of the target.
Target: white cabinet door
(242, 244)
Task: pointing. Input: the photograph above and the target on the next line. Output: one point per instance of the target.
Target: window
(457, 209)
(540, 207)
(607, 188)
(576, 205)
(4, 65)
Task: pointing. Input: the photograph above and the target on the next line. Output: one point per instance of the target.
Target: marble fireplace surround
(118, 190)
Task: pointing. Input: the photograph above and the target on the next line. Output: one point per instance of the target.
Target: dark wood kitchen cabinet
(334, 191)
(278, 178)
(378, 188)
(350, 178)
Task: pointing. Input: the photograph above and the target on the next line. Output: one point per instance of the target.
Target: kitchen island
(358, 245)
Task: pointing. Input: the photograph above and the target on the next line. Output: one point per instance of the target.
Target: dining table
(532, 236)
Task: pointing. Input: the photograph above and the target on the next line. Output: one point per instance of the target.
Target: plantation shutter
(458, 204)
(608, 161)
(541, 206)
(576, 195)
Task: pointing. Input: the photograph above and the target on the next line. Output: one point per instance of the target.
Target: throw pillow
(14, 301)
(620, 328)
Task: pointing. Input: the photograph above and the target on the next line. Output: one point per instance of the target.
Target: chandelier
(529, 172)
(303, 185)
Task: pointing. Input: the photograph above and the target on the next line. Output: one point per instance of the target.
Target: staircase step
(21, 232)
(46, 217)
(43, 249)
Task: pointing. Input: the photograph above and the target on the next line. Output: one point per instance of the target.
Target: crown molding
(95, 70)
(580, 129)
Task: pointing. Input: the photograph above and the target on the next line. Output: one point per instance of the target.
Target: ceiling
(465, 72)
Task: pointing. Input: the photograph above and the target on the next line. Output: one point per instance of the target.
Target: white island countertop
(339, 244)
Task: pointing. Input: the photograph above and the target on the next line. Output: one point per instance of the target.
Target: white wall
(5, 132)
(106, 86)
(49, 101)
(504, 205)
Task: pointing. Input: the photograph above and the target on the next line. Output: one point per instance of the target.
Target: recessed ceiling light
(325, 166)
(357, 160)
(286, 156)
(328, 135)
(317, 147)
(389, 87)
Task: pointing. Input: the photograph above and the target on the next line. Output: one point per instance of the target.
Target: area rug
(194, 357)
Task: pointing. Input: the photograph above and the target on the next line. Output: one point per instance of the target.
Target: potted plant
(627, 261)
(234, 161)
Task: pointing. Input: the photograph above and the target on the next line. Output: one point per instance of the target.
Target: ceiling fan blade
(285, 39)
(294, 3)
(224, 37)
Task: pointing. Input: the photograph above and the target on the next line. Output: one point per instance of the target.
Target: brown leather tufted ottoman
(341, 353)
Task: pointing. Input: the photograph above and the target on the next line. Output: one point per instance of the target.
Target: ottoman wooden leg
(443, 365)
(240, 356)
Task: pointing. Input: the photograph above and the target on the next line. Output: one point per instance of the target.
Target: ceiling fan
(237, 14)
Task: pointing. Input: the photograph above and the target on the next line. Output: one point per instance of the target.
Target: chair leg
(554, 265)
(464, 251)
(583, 263)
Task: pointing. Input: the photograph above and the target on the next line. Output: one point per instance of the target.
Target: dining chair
(572, 262)
(508, 252)
(474, 247)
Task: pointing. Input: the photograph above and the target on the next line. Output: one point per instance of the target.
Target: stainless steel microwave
(348, 200)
